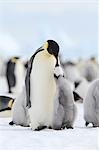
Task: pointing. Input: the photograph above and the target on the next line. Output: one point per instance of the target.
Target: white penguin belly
(43, 88)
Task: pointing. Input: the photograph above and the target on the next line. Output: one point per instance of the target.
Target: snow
(23, 138)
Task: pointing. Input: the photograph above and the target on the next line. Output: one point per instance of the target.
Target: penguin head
(14, 59)
(58, 71)
(52, 47)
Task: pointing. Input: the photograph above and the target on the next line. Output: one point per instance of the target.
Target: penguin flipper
(27, 79)
(27, 82)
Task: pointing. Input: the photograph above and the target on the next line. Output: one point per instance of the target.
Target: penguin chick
(64, 106)
(91, 104)
(20, 115)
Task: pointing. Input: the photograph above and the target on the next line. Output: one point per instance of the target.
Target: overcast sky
(26, 25)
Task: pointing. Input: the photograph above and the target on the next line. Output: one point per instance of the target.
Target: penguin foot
(95, 125)
(58, 129)
(25, 125)
(69, 127)
(50, 127)
(86, 124)
(10, 91)
(63, 127)
(40, 128)
(11, 123)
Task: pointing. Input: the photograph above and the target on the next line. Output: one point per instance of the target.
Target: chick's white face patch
(58, 71)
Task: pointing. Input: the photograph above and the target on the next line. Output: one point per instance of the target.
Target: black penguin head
(53, 48)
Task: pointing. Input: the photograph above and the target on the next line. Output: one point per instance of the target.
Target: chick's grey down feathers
(65, 109)
(91, 104)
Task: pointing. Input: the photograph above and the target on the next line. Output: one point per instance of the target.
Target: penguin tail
(11, 123)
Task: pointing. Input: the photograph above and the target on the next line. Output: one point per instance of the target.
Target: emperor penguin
(6, 103)
(91, 104)
(72, 73)
(41, 86)
(90, 69)
(15, 74)
(2, 67)
(64, 105)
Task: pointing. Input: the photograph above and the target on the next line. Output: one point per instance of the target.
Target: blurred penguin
(2, 67)
(64, 107)
(73, 75)
(15, 74)
(71, 72)
(82, 88)
(91, 104)
(6, 103)
(90, 69)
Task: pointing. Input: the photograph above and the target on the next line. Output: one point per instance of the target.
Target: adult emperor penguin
(41, 86)
(64, 106)
(91, 104)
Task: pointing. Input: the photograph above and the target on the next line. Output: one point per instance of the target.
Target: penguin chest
(43, 88)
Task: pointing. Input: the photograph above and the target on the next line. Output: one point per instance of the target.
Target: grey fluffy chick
(64, 107)
(91, 104)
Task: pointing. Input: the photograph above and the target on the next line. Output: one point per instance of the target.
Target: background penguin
(20, 115)
(72, 73)
(82, 88)
(2, 67)
(89, 69)
(6, 103)
(41, 86)
(15, 74)
(65, 108)
(91, 104)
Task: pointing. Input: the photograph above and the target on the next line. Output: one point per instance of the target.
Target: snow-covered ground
(23, 138)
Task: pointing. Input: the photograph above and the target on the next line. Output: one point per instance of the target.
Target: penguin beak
(77, 97)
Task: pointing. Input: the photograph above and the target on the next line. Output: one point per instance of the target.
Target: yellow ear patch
(10, 103)
(13, 60)
(45, 46)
